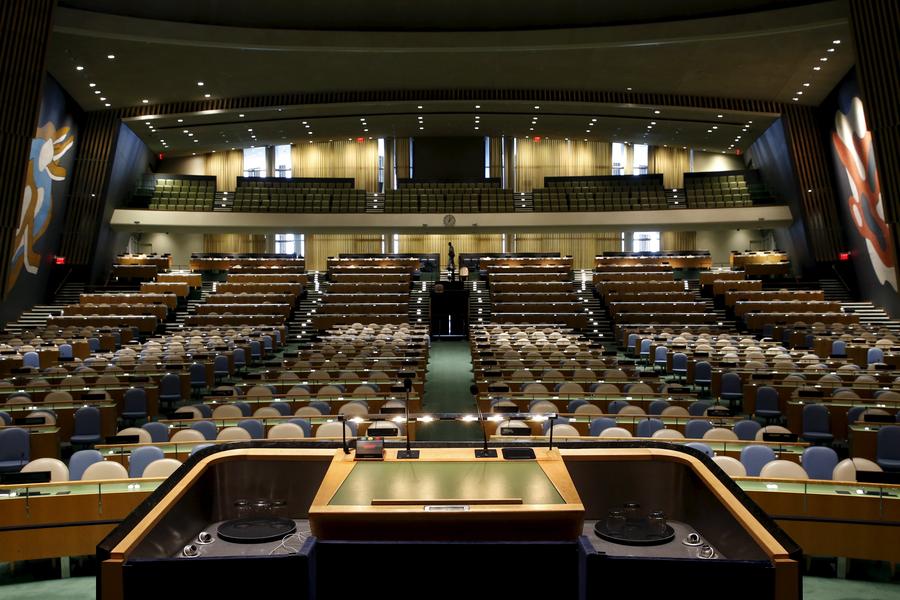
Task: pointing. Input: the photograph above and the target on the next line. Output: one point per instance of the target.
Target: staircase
(206, 288)
(420, 303)
(479, 302)
(835, 290)
(872, 316)
(224, 202)
(36, 318)
(693, 286)
(299, 327)
(676, 198)
(600, 331)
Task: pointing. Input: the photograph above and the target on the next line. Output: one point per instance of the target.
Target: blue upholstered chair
(599, 424)
(170, 389)
(134, 404)
(695, 428)
(159, 432)
(87, 426)
(679, 365)
(819, 462)
(207, 428)
(767, 403)
(282, 407)
(80, 461)
(198, 377)
(304, 424)
(660, 358)
(746, 429)
(220, 367)
(700, 446)
(647, 427)
(15, 449)
(817, 423)
(755, 457)
(732, 389)
(875, 355)
(254, 427)
(888, 450)
(703, 375)
(616, 405)
(141, 457)
(657, 407)
(698, 408)
(32, 360)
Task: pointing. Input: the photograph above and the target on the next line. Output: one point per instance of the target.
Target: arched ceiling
(161, 51)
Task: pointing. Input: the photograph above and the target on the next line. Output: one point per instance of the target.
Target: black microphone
(550, 443)
(408, 453)
(483, 452)
(343, 434)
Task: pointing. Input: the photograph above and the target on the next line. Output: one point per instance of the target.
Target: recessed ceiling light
(196, 141)
(653, 122)
(97, 92)
(477, 106)
(805, 85)
(830, 50)
(817, 68)
(309, 132)
(145, 101)
(531, 129)
(835, 42)
(190, 135)
(594, 120)
(79, 68)
(107, 104)
(206, 95)
(200, 83)
(824, 59)
(365, 130)
(719, 116)
(628, 89)
(193, 154)
(184, 131)
(102, 99)
(251, 129)
(800, 93)
(110, 56)
(92, 85)
(795, 99)
(421, 128)
(419, 107)
(536, 107)
(709, 131)
(181, 120)
(476, 127)
(587, 130)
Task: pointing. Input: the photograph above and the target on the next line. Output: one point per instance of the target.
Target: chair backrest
(731, 466)
(731, 383)
(616, 405)
(227, 411)
(615, 432)
(875, 355)
(332, 429)
(679, 361)
(170, 385)
(588, 409)
(80, 461)
(159, 432)
(207, 428)
(258, 391)
(770, 429)
(785, 469)
(298, 390)
(267, 412)
(308, 411)
(702, 372)
(569, 387)
(234, 434)
(188, 435)
(847, 468)
(746, 429)
(668, 434)
(657, 407)
(87, 421)
(888, 443)
(675, 411)
(144, 436)
(354, 409)
(766, 398)
(565, 430)
(542, 407)
(647, 427)
(695, 429)
(819, 462)
(698, 408)
(104, 469)
(253, 427)
(599, 424)
(57, 468)
(286, 431)
(721, 434)
(163, 467)
(754, 457)
(816, 418)
(141, 457)
(701, 447)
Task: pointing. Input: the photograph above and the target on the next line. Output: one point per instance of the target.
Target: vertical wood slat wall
(486, 243)
(24, 31)
(815, 187)
(581, 246)
(319, 246)
(87, 192)
(876, 32)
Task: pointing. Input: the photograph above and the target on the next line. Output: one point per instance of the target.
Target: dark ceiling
(162, 51)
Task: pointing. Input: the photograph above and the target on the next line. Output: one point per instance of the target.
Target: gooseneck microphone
(484, 452)
(408, 453)
(341, 418)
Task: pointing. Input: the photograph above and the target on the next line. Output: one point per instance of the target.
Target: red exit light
(59, 260)
(844, 256)
(537, 139)
(360, 140)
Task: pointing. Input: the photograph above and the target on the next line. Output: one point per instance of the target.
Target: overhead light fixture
(836, 42)
(196, 141)
(79, 68)
(206, 95)
(419, 107)
(656, 112)
(817, 68)
(251, 129)
(719, 116)
(184, 131)
(476, 127)
(421, 128)
(477, 106)
(536, 107)
(92, 84)
(715, 126)
(830, 50)
(653, 122)
(824, 59)
(110, 56)
(97, 92)
(628, 89)
(587, 130)
(107, 105)
(200, 83)
(145, 101)
(181, 120)
(102, 99)
(795, 99)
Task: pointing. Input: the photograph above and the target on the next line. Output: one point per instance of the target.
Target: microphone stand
(343, 434)
(550, 445)
(408, 453)
(484, 452)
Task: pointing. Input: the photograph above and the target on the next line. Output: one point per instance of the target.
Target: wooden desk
(386, 500)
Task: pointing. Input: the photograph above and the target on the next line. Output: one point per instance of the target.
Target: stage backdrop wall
(872, 243)
(42, 202)
(448, 158)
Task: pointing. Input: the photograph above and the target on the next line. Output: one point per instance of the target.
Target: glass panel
(283, 160)
(255, 162)
(640, 159)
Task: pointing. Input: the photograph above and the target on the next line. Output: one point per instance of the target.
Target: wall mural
(852, 143)
(859, 195)
(47, 148)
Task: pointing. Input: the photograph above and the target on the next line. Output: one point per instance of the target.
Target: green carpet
(447, 391)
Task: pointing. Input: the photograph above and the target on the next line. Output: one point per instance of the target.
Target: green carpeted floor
(447, 390)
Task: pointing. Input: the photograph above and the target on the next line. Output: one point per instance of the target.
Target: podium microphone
(408, 453)
(483, 452)
(343, 434)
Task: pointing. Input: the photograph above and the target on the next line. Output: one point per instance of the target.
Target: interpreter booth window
(283, 160)
(618, 158)
(641, 159)
(289, 243)
(645, 241)
(255, 162)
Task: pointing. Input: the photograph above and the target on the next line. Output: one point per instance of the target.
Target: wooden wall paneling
(24, 32)
(87, 192)
(815, 186)
(320, 246)
(488, 243)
